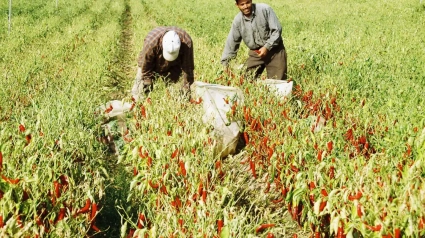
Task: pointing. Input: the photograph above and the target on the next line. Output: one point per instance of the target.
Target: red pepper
(322, 205)
(95, 228)
(312, 185)
(265, 139)
(154, 186)
(174, 154)
(109, 109)
(93, 211)
(397, 233)
(218, 164)
(143, 111)
(182, 168)
(245, 114)
(176, 203)
(85, 208)
(328, 113)
(246, 137)
(149, 161)
(64, 180)
(319, 155)
(270, 235)
(219, 226)
(340, 233)
(141, 221)
(57, 187)
(252, 166)
(355, 197)
(374, 228)
(277, 200)
(284, 191)
(163, 189)
(290, 130)
(1, 221)
(141, 152)
(289, 207)
(204, 196)
(9, 180)
(330, 146)
(362, 140)
(421, 224)
(130, 233)
(38, 221)
(285, 115)
(359, 210)
(200, 188)
(61, 215)
(349, 134)
(263, 227)
(294, 168)
(270, 152)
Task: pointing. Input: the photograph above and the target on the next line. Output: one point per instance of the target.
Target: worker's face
(245, 6)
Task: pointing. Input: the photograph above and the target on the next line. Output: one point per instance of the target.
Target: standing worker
(167, 52)
(258, 26)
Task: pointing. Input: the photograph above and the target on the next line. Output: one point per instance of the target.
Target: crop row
(52, 172)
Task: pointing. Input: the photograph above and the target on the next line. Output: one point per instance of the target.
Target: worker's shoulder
(184, 35)
(179, 30)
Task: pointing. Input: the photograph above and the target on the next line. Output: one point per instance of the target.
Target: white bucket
(283, 88)
(215, 109)
(114, 108)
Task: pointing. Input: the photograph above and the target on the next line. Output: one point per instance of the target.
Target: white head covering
(170, 45)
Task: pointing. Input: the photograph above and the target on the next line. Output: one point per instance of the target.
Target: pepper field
(357, 66)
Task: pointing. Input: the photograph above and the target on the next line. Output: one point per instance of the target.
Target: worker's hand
(262, 52)
(147, 88)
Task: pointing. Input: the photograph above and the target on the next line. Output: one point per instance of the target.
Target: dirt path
(121, 69)
(121, 72)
